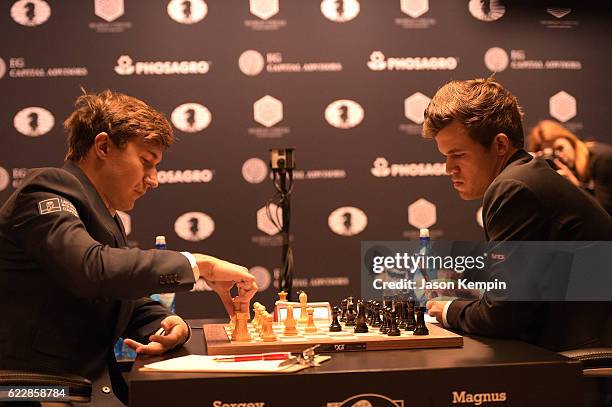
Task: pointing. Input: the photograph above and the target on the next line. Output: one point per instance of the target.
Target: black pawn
(335, 325)
(393, 330)
(360, 322)
(421, 328)
(410, 321)
(343, 310)
(384, 327)
(401, 312)
(350, 312)
(376, 322)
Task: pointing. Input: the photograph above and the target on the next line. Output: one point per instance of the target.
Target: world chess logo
(30, 13)
(380, 167)
(344, 114)
(264, 9)
(194, 226)
(367, 400)
(126, 220)
(2, 68)
(269, 226)
(562, 106)
(191, 117)
(496, 59)
(347, 221)
(414, 107)
(187, 11)
(254, 170)
(268, 111)
(251, 62)
(109, 10)
(34, 121)
(422, 214)
(340, 11)
(125, 65)
(4, 179)
(414, 8)
(558, 12)
(486, 10)
(263, 278)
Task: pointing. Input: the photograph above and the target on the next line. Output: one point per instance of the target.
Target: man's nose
(151, 179)
(451, 168)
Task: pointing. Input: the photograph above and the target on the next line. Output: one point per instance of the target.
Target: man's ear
(501, 144)
(102, 145)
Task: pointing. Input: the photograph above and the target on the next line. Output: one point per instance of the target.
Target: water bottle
(426, 269)
(168, 300)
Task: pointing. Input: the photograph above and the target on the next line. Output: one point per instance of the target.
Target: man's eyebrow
(153, 154)
(453, 151)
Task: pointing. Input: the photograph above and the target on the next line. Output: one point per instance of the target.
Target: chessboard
(218, 340)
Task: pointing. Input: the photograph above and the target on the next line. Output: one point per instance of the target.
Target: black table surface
(513, 365)
(476, 351)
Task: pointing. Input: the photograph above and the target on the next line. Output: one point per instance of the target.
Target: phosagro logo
(187, 11)
(378, 62)
(251, 62)
(4, 179)
(254, 170)
(340, 11)
(191, 117)
(126, 66)
(344, 113)
(268, 111)
(263, 9)
(381, 168)
(34, 121)
(30, 12)
(478, 398)
(347, 221)
(194, 226)
(184, 176)
(2, 68)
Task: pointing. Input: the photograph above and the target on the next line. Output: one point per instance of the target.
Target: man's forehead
(149, 146)
(452, 137)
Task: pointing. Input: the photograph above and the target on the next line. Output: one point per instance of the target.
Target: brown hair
(483, 106)
(547, 131)
(121, 116)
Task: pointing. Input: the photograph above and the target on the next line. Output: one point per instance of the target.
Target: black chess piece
(401, 312)
(360, 321)
(343, 310)
(376, 322)
(393, 330)
(350, 312)
(335, 325)
(384, 326)
(421, 328)
(410, 321)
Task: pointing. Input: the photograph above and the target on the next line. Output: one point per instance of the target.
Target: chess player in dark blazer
(69, 285)
(477, 126)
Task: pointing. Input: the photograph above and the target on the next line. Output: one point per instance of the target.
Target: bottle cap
(160, 240)
(424, 232)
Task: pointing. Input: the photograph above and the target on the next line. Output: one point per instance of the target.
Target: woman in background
(586, 165)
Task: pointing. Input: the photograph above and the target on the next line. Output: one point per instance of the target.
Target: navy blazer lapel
(98, 205)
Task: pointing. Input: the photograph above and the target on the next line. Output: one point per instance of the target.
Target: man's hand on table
(175, 332)
(435, 308)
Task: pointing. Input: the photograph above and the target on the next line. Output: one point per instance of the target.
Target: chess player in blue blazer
(477, 126)
(69, 285)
